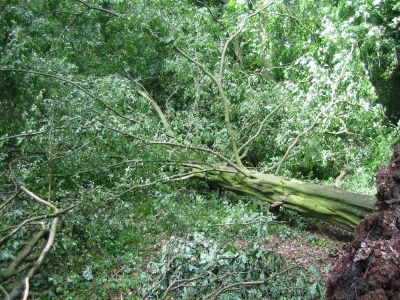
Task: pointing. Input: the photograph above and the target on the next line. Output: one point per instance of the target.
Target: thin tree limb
(9, 199)
(229, 287)
(176, 177)
(177, 145)
(22, 135)
(157, 108)
(225, 100)
(26, 250)
(261, 126)
(38, 199)
(16, 228)
(42, 256)
(110, 12)
(76, 85)
(234, 35)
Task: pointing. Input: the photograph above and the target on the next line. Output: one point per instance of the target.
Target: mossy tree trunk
(328, 203)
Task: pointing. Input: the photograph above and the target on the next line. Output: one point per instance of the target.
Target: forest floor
(157, 249)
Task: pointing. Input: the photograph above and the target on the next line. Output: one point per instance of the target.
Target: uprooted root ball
(369, 266)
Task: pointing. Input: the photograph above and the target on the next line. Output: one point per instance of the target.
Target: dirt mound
(369, 266)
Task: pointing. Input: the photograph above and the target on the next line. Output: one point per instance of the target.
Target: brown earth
(369, 266)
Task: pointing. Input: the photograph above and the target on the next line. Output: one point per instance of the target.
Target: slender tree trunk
(328, 203)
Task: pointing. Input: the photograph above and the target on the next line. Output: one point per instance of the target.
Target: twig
(245, 223)
(229, 287)
(172, 286)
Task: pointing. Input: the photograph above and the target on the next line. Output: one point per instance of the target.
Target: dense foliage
(80, 85)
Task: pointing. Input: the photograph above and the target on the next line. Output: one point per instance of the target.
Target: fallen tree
(328, 203)
(227, 166)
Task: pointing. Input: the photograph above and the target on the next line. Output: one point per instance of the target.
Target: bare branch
(38, 199)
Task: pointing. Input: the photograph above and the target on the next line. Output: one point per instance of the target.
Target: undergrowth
(178, 245)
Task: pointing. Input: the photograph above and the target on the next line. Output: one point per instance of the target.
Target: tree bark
(328, 203)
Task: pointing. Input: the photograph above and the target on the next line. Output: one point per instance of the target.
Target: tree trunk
(328, 203)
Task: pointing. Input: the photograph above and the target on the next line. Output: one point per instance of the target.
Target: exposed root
(369, 266)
